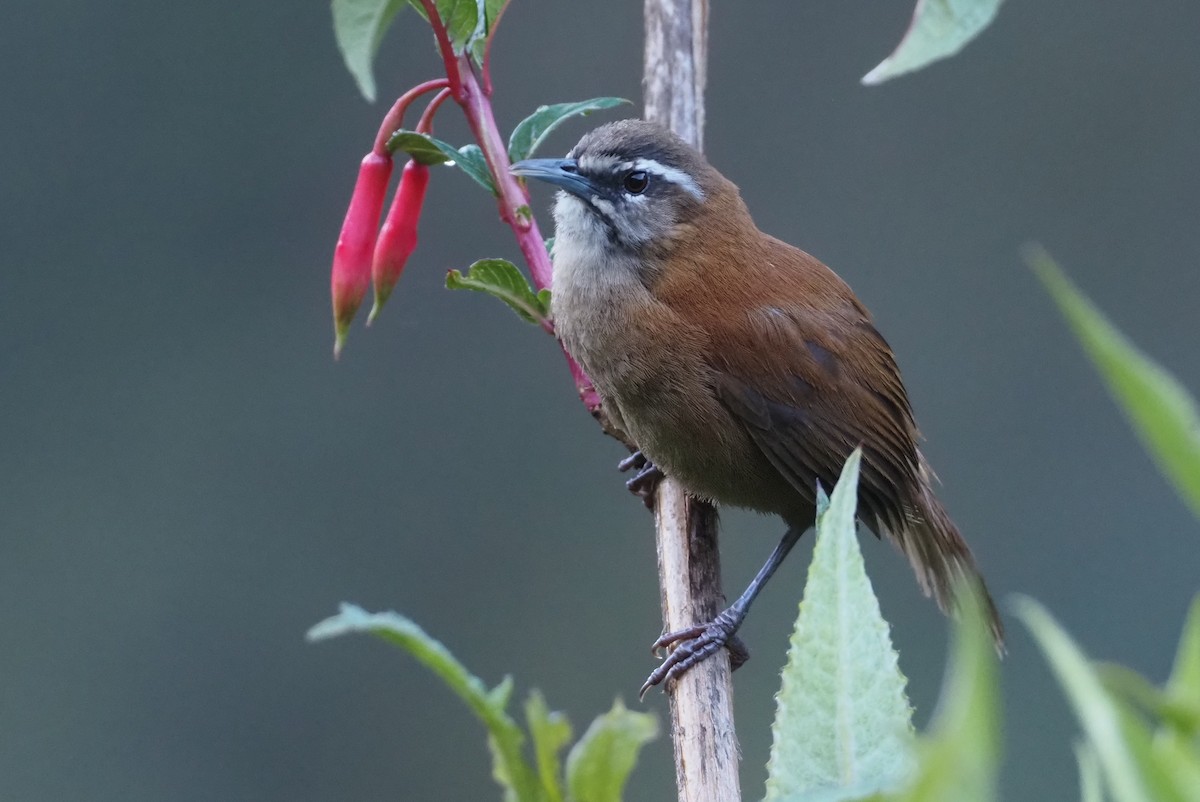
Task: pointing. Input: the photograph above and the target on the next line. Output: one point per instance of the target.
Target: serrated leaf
(1132, 770)
(501, 278)
(461, 18)
(600, 763)
(504, 736)
(958, 757)
(420, 146)
(1164, 415)
(358, 27)
(551, 732)
(843, 724)
(533, 130)
(939, 29)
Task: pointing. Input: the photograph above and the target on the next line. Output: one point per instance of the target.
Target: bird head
(629, 188)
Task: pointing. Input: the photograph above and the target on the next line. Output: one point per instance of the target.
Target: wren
(741, 366)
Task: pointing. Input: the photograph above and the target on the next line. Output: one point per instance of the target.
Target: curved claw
(694, 645)
(634, 460)
(645, 481)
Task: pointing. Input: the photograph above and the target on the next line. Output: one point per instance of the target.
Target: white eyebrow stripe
(677, 177)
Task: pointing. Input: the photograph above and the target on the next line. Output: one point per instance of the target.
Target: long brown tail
(939, 555)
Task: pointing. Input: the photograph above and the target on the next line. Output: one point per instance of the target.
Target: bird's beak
(560, 172)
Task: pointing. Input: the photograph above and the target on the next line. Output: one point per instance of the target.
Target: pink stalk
(425, 124)
(395, 116)
(511, 195)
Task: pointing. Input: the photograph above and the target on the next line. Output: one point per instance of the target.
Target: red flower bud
(356, 243)
(398, 237)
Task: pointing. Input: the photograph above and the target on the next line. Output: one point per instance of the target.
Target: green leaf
(502, 279)
(533, 130)
(1183, 688)
(551, 732)
(939, 29)
(461, 18)
(431, 150)
(359, 26)
(1127, 684)
(1164, 416)
(600, 763)
(843, 720)
(1178, 758)
(959, 755)
(470, 159)
(504, 736)
(420, 146)
(419, 7)
(1091, 788)
(1131, 769)
(491, 10)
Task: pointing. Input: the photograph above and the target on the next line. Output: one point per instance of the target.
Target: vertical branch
(706, 750)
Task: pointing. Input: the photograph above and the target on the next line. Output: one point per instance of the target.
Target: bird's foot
(696, 644)
(643, 483)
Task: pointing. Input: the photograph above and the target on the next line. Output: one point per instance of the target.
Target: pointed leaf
(461, 18)
(359, 26)
(959, 756)
(431, 150)
(843, 720)
(939, 29)
(551, 733)
(600, 763)
(1183, 688)
(470, 159)
(533, 130)
(1121, 741)
(491, 10)
(504, 736)
(420, 146)
(502, 279)
(1163, 414)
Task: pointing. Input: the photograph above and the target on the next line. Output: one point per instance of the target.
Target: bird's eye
(635, 183)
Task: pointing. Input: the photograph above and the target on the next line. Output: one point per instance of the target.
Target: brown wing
(810, 386)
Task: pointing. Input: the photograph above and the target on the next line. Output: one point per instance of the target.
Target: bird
(737, 364)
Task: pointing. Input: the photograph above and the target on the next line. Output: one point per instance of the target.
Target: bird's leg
(643, 483)
(694, 644)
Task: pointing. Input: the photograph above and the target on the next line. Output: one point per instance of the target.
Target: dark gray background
(189, 481)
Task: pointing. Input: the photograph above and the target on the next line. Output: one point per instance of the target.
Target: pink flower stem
(511, 197)
(487, 50)
(395, 116)
(425, 125)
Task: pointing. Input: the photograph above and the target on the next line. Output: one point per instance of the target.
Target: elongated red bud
(398, 237)
(356, 243)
